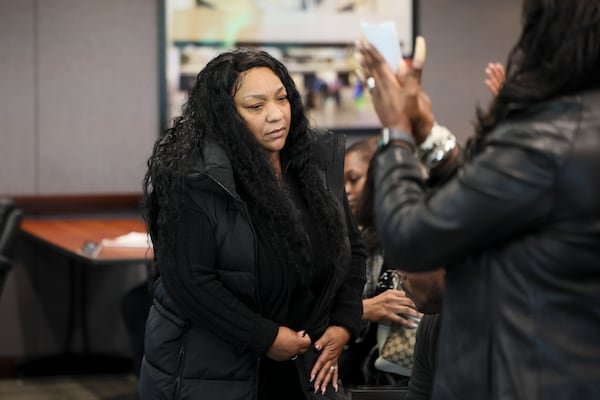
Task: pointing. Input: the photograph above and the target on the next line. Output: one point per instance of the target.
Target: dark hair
(365, 147)
(210, 113)
(556, 54)
(365, 213)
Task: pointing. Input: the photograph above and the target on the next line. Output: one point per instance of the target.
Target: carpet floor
(80, 387)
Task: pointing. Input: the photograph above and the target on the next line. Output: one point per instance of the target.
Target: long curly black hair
(210, 114)
(558, 53)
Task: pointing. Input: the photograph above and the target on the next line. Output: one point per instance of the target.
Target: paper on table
(384, 37)
(131, 239)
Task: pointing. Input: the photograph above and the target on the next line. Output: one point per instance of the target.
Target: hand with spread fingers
(331, 345)
(398, 98)
(495, 77)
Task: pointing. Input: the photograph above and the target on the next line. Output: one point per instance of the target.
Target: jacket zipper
(180, 362)
(238, 199)
(258, 306)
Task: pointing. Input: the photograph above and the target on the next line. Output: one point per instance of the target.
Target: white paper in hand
(384, 37)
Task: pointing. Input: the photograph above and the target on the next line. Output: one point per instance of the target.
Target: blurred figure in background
(356, 164)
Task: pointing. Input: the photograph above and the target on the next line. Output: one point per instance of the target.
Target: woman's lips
(276, 133)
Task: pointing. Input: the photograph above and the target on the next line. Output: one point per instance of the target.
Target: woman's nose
(348, 187)
(274, 112)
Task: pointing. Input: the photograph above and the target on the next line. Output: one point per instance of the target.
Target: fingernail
(420, 52)
(312, 378)
(323, 390)
(318, 346)
(413, 325)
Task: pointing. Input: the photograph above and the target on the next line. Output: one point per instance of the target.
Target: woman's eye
(352, 179)
(255, 106)
(282, 98)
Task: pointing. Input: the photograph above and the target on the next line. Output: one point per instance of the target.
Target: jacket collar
(328, 150)
(215, 164)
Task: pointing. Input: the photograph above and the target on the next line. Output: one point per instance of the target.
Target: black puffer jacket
(518, 229)
(204, 334)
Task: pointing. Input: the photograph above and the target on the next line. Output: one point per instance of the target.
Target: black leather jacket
(518, 229)
(204, 334)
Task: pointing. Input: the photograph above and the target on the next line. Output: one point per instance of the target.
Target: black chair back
(10, 219)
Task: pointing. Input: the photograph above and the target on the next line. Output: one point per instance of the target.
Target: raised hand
(495, 77)
(398, 98)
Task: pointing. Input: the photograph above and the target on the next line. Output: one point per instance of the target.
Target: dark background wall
(79, 111)
(462, 37)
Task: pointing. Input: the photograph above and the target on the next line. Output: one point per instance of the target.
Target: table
(67, 236)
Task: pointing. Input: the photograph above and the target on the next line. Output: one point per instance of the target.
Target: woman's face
(262, 103)
(355, 175)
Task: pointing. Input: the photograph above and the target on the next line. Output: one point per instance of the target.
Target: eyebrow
(262, 96)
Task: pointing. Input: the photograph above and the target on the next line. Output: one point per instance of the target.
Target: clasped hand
(289, 343)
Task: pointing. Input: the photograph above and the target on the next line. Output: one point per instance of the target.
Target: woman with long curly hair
(260, 266)
(517, 227)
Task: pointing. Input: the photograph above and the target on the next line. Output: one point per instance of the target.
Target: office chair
(10, 218)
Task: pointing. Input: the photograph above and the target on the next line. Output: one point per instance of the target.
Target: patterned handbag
(396, 342)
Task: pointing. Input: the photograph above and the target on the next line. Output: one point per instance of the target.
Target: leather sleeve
(503, 190)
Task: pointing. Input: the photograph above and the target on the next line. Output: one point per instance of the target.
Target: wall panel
(98, 94)
(18, 141)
